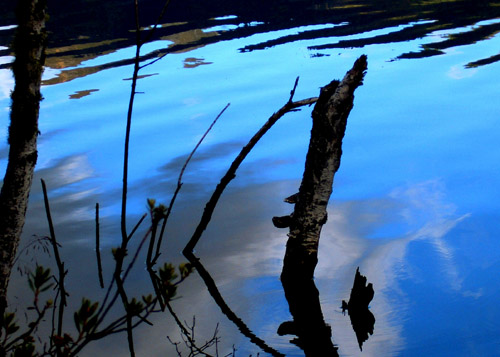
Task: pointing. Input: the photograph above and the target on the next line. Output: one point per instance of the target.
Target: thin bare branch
(292, 92)
(129, 123)
(136, 226)
(60, 264)
(32, 327)
(188, 337)
(124, 298)
(98, 247)
(151, 33)
(153, 61)
(136, 254)
(179, 182)
(104, 309)
(177, 320)
(155, 26)
(231, 173)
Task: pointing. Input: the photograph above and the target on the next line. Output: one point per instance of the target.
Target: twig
(189, 339)
(136, 226)
(97, 247)
(104, 309)
(125, 237)
(32, 327)
(113, 328)
(176, 345)
(153, 29)
(152, 32)
(179, 182)
(120, 256)
(60, 264)
(155, 221)
(153, 61)
(176, 318)
(133, 92)
(154, 281)
(123, 295)
(292, 92)
(134, 259)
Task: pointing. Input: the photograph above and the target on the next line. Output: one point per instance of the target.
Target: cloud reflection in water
(244, 252)
(423, 210)
(250, 252)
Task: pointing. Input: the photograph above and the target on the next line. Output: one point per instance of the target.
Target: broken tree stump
(323, 160)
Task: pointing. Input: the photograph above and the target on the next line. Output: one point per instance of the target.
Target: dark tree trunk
(323, 160)
(29, 49)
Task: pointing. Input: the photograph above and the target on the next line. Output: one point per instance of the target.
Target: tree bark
(323, 160)
(29, 48)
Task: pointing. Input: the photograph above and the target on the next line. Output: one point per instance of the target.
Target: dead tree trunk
(29, 49)
(323, 160)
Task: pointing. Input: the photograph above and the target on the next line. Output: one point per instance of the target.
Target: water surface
(414, 204)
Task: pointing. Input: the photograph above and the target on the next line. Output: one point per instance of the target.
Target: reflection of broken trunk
(362, 319)
(314, 336)
(323, 160)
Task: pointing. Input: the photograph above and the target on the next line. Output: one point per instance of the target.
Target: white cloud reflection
(354, 236)
(460, 72)
(244, 254)
(6, 81)
(427, 216)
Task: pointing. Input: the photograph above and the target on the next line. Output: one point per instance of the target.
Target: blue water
(415, 203)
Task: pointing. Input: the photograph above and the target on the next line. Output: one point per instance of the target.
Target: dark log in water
(323, 160)
(29, 48)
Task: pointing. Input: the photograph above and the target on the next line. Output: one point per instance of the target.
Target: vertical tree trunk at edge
(29, 49)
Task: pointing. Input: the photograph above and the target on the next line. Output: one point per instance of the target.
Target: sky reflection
(414, 203)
